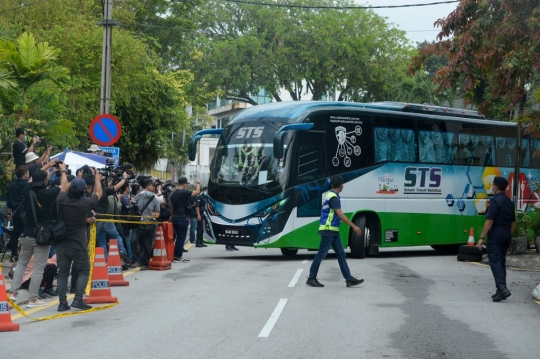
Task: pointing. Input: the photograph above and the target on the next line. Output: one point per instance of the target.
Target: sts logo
(250, 132)
(426, 180)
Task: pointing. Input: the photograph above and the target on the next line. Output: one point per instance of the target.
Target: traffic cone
(100, 292)
(6, 325)
(168, 233)
(470, 243)
(114, 266)
(159, 260)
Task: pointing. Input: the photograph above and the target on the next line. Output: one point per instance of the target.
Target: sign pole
(107, 23)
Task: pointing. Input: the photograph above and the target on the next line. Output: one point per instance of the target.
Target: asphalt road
(247, 304)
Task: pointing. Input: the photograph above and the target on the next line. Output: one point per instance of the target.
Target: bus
(415, 175)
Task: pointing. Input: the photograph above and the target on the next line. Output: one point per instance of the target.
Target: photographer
(19, 147)
(180, 215)
(144, 234)
(44, 198)
(73, 250)
(35, 163)
(14, 201)
(106, 230)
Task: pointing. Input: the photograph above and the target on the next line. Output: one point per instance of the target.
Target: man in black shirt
(180, 215)
(19, 146)
(14, 200)
(43, 201)
(106, 230)
(499, 225)
(201, 205)
(74, 206)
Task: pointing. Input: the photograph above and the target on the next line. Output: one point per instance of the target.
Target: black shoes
(201, 245)
(125, 258)
(63, 306)
(353, 281)
(501, 294)
(314, 282)
(80, 304)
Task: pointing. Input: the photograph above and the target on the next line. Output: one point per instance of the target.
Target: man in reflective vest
(331, 215)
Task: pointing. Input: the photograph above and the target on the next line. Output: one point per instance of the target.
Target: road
(414, 304)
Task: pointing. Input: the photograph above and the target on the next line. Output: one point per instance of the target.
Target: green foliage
(531, 221)
(248, 47)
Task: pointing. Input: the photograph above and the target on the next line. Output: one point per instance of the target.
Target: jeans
(145, 241)
(180, 226)
(496, 250)
(192, 229)
(40, 253)
(106, 230)
(326, 242)
(66, 256)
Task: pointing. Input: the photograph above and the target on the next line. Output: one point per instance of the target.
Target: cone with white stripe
(100, 291)
(159, 260)
(114, 266)
(6, 325)
(470, 242)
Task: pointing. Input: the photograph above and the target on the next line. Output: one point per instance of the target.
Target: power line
(23, 6)
(338, 7)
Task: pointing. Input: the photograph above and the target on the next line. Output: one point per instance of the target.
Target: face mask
(25, 138)
(205, 193)
(149, 194)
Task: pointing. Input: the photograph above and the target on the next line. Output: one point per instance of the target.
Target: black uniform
(502, 211)
(200, 224)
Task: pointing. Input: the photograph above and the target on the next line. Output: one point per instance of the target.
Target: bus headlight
(270, 209)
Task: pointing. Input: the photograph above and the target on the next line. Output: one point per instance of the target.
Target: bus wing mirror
(192, 147)
(279, 137)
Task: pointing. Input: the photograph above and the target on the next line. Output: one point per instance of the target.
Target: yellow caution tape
(56, 316)
(122, 221)
(91, 255)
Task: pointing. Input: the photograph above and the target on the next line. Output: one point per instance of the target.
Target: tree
(493, 48)
(248, 47)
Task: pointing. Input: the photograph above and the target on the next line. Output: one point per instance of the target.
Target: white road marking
(265, 332)
(304, 261)
(295, 278)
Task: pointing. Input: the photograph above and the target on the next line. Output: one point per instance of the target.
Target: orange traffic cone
(470, 243)
(159, 260)
(100, 292)
(168, 233)
(114, 266)
(5, 318)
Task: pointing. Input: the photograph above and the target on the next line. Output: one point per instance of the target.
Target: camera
(57, 164)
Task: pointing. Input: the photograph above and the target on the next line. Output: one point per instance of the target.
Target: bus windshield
(245, 159)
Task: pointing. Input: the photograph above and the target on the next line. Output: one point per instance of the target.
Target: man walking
(331, 215)
(499, 225)
(74, 206)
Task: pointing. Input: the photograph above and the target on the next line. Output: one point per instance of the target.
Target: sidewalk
(529, 260)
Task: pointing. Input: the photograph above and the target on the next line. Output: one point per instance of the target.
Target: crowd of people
(35, 201)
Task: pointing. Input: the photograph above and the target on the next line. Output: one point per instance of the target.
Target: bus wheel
(287, 252)
(358, 243)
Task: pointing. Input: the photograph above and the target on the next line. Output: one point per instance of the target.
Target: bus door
(308, 178)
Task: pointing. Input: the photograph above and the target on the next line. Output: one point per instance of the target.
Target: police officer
(331, 215)
(499, 225)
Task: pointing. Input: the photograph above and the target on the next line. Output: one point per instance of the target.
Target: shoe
(191, 241)
(35, 303)
(314, 282)
(354, 281)
(125, 258)
(134, 265)
(13, 296)
(501, 294)
(184, 260)
(234, 248)
(144, 267)
(43, 295)
(51, 292)
(80, 304)
(229, 249)
(63, 306)
(185, 250)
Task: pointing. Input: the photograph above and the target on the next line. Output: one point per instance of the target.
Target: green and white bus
(414, 175)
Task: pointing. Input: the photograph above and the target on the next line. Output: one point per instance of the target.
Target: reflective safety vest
(329, 221)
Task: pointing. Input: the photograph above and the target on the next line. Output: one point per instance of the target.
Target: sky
(416, 21)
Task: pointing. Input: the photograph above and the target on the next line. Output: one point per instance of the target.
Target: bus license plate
(232, 231)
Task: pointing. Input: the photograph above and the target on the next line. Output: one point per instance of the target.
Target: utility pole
(107, 23)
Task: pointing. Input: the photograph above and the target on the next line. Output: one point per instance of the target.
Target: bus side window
(505, 151)
(435, 145)
(476, 146)
(535, 146)
(393, 141)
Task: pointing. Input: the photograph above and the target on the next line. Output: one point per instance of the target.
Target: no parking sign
(105, 130)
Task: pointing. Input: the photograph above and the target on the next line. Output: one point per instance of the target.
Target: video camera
(109, 172)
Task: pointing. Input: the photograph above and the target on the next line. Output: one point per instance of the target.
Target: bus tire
(469, 250)
(288, 252)
(358, 243)
(450, 248)
(463, 257)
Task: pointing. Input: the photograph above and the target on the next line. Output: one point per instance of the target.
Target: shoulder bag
(148, 228)
(42, 232)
